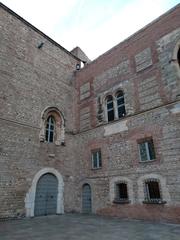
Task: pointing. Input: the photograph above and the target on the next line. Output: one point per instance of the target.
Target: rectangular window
(146, 150)
(121, 192)
(152, 190)
(96, 159)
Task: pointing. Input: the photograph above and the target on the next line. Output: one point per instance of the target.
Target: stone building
(104, 138)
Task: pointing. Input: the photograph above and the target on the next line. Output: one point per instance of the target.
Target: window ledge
(154, 202)
(147, 161)
(98, 168)
(123, 201)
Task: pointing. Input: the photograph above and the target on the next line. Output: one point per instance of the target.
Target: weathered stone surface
(143, 59)
(33, 79)
(85, 91)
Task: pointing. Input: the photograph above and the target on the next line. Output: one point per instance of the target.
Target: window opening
(96, 159)
(121, 191)
(178, 57)
(146, 150)
(120, 104)
(50, 126)
(152, 190)
(110, 108)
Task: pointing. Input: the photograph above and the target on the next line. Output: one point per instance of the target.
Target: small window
(96, 159)
(178, 57)
(50, 127)
(120, 104)
(121, 192)
(152, 191)
(146, 149)
(110, 108)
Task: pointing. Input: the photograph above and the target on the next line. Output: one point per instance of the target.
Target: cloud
(95, 26)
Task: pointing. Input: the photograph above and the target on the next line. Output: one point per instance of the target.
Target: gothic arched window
(120, 104)
(110, 108)
(50, 129)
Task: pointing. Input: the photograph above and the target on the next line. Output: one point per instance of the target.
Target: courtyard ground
(86, 227)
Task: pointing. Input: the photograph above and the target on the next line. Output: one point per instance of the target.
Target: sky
(93, 25)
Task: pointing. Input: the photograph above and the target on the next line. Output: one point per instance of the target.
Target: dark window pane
(100, 161)
(151, 149)
(120, 94)
(120, 105)
(95, 159)
(47, 135)
(121, 191)
(153, 188)
(110, 105)
(120, 101)
(51, 137)
(95, 163)
(110, 115)
(109, 98)
(178, 56)
(142, 148)
(121, 111)
(50, 129)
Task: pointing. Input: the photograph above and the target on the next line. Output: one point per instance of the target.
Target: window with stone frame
(120, 104)
(152, 191)
(52, 129)
(96, 159)
(110, 108)
(146, 150)
(121, 192)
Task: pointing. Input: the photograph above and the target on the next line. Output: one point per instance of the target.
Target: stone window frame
(147, 199)
(112, 190)
(59, 131)
(93, 151)
(164, 192)
(117, 199)
(146, 140)
(115, 106)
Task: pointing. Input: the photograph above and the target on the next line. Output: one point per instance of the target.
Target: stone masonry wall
(31, 79)
(142, 67)
(120, 159)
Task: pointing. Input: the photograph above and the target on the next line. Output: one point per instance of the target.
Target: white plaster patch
(115, 128)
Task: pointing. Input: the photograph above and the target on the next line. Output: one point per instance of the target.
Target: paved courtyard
(86, 227)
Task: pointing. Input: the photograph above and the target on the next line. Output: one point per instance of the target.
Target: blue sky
(93, 25)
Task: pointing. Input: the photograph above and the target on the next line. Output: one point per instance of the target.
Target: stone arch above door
(30, 196)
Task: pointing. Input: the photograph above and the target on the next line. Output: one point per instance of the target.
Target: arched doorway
(39, 179)
(46, 195)
(86, 199)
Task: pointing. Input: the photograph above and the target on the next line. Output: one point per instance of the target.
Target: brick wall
(33, 79)
(142, 67)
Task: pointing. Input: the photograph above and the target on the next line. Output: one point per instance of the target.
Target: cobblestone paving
(86, 227)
